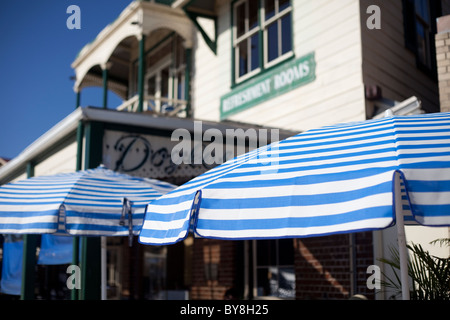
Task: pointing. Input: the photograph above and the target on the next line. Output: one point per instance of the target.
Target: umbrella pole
(401, 238)
(103, 266)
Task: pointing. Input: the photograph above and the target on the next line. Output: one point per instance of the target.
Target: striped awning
(335, 179)
(89, 202)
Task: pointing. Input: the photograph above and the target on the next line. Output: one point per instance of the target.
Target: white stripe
(168, 209)
(370, 201)
(442, 174)
(286, 175)
(4, 209)
(25, 220)
(164, 225)
(150, 240)
(102, 222)
(281, 190)
(430, 198)
(27, 231)
(297, 232)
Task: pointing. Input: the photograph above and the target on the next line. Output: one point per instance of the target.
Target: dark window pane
(263, 280)
(253, 14)
(286, 252)
(283, 4)
(240, 19)
(422, 44)
(272, 41)
(286, 38)
(269, 7)
(266, 253)
(151, 86)
(422, 9)
(243, 58)
(255, 52)
(180, 87)
(165, 83)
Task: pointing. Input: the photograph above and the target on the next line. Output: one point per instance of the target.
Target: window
(419, 28)
(165, 77)
(275, 274)
(262, 35)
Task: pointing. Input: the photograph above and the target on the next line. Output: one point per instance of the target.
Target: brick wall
(215, 255)
(322, 266)
(443, 61)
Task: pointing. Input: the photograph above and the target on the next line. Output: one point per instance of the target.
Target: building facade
(291, 65)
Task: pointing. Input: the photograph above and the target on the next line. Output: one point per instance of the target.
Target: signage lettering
(284, 78)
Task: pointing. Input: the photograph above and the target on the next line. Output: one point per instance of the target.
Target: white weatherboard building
(291, 65)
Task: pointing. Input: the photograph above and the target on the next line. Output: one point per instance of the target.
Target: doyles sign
(183, 154)
(145, 156)
(279, 80)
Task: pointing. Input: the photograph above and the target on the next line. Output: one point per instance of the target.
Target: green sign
(279, 80)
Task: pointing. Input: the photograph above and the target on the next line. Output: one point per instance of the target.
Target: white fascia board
(52, 136)
(70, 124)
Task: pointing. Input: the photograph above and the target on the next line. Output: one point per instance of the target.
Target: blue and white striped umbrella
(335, 179)
(82, 203)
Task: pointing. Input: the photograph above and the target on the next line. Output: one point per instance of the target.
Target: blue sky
(36, 90)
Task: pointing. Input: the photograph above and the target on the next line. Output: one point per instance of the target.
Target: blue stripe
(297, 200)
(428, 186)
(101, 216)
(426, 165)
(431, 210)
(32, 225)
(294, 222)
(328, 176)
(173, 216)
(93, 227)
(300, 180)
(28, 214)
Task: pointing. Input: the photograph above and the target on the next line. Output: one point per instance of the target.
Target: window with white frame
(262, 35)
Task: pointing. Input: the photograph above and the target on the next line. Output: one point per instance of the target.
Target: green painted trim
(141, 73)
(233, 54)
(78, 99)
(262, 64)
(90, 246)
(105, 87)
(90, 268)
(187, 82)
(76, 240)
(93, 132)
(80, 135)
(30, 169)
(155, 46)
(30, 244)
(211, 43)
(274, 82)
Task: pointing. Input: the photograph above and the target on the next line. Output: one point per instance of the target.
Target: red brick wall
(322, 266)
(219, 253)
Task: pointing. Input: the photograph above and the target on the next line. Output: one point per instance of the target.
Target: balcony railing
(163, 106)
